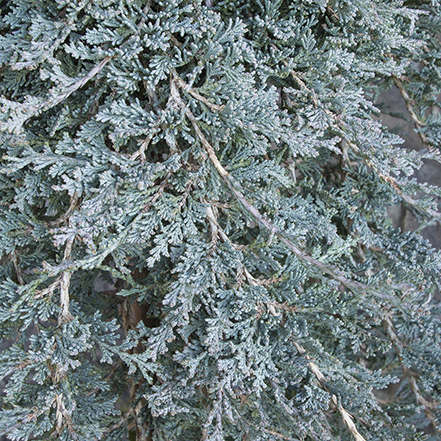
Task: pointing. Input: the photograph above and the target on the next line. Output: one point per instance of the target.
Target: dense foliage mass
(222, 165)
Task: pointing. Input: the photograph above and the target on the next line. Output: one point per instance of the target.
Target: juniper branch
(218, 231)
(347, 418)
(416, 121)
(74, 201)
(341, 132)
(181, 83)
(304, 257)
(410, 375)
(52, 102)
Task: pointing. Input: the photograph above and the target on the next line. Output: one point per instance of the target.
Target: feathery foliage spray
(222, 166)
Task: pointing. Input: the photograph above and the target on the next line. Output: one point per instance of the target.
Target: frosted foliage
(194, 232)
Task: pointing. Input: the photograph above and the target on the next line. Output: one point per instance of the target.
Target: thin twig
(186, 193)
(52, 102)
(106, 379)
(218, 231)
(27, 419)
(74, 200)
(62, 414)
(39, 294)
(65, 315)
(410, 375)
(347, 418)
(213, 107)
(393, 182)
(416, 121)
(142, 149)
(214, 229)
(158, 194)
(117, 425)
(77, 85)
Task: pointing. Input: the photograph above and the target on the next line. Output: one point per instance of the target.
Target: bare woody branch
(77, 85)
(65, 315)
(143, 147)
(64, 280)
(218, 231)
(63, 416)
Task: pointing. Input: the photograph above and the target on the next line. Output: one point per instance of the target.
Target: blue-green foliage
(220, 164)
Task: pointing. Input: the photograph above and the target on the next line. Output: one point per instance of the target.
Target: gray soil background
(401, 217)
